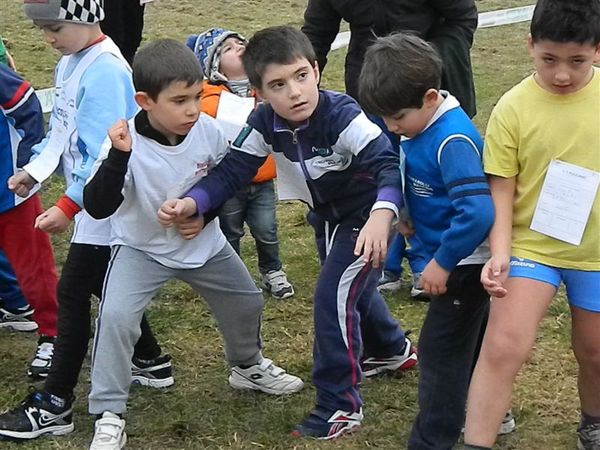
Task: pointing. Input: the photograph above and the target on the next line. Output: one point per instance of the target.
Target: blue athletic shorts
(583, 287)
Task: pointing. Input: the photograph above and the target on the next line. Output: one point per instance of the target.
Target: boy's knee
(588, 354)
(502, 348)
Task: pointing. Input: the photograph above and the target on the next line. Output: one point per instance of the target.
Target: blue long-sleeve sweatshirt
(338, 161)
(446, 190)
(105, 94)
(21, 126)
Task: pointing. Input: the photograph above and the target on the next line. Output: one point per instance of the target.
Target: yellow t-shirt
(528, 128)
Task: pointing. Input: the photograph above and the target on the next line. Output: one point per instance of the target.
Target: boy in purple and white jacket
(329, 155)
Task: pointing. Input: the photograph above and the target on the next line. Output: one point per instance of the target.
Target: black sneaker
(40, 413)
(18, 320)
(40, 365)
(588, 437)
(156, 373)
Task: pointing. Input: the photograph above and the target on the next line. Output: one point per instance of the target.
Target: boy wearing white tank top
(159, 154)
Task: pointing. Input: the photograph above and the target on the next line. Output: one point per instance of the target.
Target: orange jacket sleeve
(209, 104)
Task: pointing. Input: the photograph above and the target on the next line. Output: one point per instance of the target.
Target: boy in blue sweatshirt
(344, 168)
(451, 209)
(27, 269)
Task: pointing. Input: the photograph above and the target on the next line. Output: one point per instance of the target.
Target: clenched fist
(119, 136)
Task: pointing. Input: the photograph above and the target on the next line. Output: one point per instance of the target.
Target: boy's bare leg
(510, 334)
(585, 339)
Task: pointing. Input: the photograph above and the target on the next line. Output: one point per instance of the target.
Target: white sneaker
(42, 361)
(109, 433)
(276, 283)
(508, 424)
(266, 377)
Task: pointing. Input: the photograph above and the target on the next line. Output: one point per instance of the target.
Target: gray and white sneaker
(275, 282)
(266, 377)
(508, 424)
(18, 320)
(416, 291)
(389, 281)
(40, 365)
(109, 433)
(588, 437)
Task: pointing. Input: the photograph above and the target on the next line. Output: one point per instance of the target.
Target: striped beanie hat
(82, 11)
(207, 48)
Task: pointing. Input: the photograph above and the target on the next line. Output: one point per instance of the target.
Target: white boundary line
(486, 20)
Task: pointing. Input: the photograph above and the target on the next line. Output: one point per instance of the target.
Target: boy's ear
(597, 55)
(143, 100)
(530, 45)
(317, 72)
(430, 98)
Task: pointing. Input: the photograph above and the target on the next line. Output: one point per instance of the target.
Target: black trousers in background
(83, 275)
(124, 22)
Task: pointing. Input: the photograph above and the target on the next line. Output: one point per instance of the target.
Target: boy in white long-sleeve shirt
(160, 153)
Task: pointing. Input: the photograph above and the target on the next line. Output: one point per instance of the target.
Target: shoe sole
(267, 290)
(122, 442)
(37, 376)
(408, 363)
(58, 430)
(19, 326)
(244, 384)
(156, 384)
(346, 430)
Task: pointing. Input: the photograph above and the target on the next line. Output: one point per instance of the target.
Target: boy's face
(66, 37)
(175, 110)
(291, 89)
(231, 59)
(410, 122)
(563, 67)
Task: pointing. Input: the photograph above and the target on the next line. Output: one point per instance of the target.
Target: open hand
(494, 275)
(373, 237)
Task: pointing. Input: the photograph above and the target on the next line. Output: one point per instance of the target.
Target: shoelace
(266, 365)
(44, 351)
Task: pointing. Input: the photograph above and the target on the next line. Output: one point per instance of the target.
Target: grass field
(201, 411)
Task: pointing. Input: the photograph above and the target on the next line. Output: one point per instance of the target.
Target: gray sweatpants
(131, 281)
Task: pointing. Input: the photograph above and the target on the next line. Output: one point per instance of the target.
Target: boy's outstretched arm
(96, 113)
(495, 271)
(236, 169)
(374, 152)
